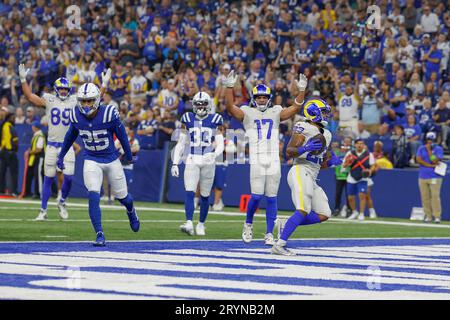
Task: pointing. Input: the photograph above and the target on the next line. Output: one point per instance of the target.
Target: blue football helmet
(261, 90)
(62, 83)
(317, 110)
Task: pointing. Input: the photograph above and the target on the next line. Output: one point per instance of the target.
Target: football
(322, 140)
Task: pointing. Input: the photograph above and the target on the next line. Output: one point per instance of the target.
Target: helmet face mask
(261, 90)
(88, 98)
(201, 104)
(62, 88)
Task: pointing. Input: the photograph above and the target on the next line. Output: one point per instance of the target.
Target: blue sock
(65, 189)
(127, 202)
(189, 205)
(271, 213)
(46, 191)
(94, 211)
(293, 222)
(204, 208)
(253, 204)
(311, 218)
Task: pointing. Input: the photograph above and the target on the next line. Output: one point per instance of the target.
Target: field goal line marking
(236, 214)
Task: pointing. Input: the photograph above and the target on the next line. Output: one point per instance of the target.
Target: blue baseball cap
(36, 123)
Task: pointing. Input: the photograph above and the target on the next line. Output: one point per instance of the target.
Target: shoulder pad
(110, 113)
(299, 127)
(217, 119)
(73, 117)
(188, 117)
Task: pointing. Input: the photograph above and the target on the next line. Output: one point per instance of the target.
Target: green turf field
(161, 222)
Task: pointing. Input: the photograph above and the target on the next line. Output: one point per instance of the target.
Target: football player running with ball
(96, 125)
(308, 146)
(202, 131)
(261, 122)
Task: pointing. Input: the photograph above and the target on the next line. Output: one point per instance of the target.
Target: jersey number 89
(60, 117)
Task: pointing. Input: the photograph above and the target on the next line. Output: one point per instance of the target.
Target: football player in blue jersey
(201, 131)
(96, 125)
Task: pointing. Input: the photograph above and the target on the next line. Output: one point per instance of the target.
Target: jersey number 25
(95, 140)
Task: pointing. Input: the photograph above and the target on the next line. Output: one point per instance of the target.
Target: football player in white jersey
(57, 109)
(203, 131)
(310, 155)
(261, 122)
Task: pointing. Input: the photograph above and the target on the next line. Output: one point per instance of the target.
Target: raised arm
(301, 83)
(106, 76)
(229, 83)
(34, 99)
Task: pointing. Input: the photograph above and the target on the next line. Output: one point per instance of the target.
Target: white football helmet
(201, 104)
(88, 97)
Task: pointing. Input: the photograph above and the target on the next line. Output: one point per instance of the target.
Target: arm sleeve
(121, 134)
(69, 139)
(219, 145)
(179, 148)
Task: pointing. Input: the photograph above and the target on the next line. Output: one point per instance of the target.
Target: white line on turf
(113, 207)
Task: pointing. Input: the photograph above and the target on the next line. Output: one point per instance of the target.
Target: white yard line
(236, 214)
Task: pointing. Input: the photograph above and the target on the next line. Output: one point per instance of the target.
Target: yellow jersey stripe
(300, 187)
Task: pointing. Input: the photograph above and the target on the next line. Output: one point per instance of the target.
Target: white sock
(281, 242)
(372, 211)
(189, 223)
(200, 224)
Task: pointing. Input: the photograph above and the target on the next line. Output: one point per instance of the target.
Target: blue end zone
(193, 266)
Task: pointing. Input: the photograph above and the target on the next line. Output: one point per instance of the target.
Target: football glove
(334, 160)
(302, 82)
(230, 80)
(60, 164)
(23, 73)
(106, 76)
(311, 145)
(174, 171)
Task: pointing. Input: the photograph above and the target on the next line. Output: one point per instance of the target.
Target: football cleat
(427, 219)
(280, 250)
(268, 239)
(42, 215)
(134, 220)
(100, 240)
(188, 228)
(354, 215)
(437, 220)
(373, 215)
(200, 229)
(62, 210)
(247, 233)
(361, 217)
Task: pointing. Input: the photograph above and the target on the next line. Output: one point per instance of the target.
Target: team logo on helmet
(317, 110)
(62, 83)
(261, 90)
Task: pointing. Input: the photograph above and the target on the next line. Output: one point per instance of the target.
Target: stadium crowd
(393, 77)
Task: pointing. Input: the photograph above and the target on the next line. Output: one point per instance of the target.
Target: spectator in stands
(166, 128)
(441, 116)
(9, 145)
(371, 105)
(30, 116)
(146, 130)
(168, 99)
(429, 20)
(413, 135)
(35, 165)
(20, 117)
(428, 156)
(400, 153)
(398, 98)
